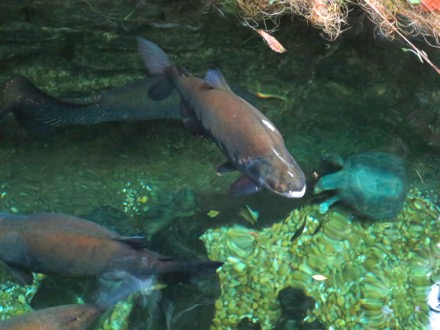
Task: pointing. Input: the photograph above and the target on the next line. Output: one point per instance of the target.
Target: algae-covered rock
(375, 276)
(14, 298)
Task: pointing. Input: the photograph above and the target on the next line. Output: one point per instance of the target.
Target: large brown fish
(67, 317)
(52, 243)
(249, 140)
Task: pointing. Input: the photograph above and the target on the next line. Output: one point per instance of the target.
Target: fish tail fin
(118, 285)
(34, 127)
(156, 62)
(203, 267)
(28, 104)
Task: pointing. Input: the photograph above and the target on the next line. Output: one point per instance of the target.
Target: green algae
(375, 276)
(345, 96)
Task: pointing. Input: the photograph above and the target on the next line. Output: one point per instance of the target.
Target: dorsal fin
(154, 58)
(135, 242)
(215, 79)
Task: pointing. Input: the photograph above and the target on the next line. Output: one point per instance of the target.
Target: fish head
(281, 176)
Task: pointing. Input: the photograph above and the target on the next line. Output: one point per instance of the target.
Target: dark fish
(67, 317)
(247, 138)
(41, 114)
(64, 245)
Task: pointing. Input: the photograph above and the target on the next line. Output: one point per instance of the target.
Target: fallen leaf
(213, 213)
(273, 43)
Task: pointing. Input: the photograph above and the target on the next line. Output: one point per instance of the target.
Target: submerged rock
(374, 276)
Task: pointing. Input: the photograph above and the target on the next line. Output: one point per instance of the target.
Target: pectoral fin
(215, 79)
(189, 120)
(161, 89)
(244, 185)
(24, 276)
(226, 167)
(162, 258)
(135, 242)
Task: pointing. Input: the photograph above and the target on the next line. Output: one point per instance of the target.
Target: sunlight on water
(80, 134)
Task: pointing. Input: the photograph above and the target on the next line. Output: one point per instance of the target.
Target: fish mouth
(296, 193)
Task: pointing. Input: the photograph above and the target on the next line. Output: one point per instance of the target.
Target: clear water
(360, 93)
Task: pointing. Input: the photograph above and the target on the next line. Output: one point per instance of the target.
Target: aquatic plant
(375, 275)
(412, 18)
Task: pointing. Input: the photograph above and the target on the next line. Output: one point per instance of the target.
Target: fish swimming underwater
(249, 140)
(58, 244)
(42, 114)
(78, 316)
(67, 317)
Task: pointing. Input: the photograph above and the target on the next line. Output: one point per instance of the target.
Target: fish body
(249, 140)
(52, 243)
(67, 317)
(41, 114)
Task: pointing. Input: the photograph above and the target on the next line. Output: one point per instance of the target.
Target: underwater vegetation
(371, 275)
(404, 20)
(418, 17)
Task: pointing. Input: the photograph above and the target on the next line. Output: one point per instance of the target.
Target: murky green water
(155, 179)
